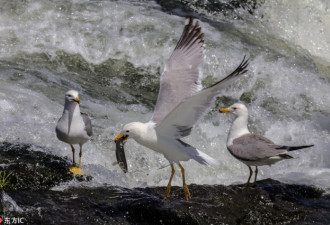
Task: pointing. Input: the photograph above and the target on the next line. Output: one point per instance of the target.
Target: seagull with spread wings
(180, 105)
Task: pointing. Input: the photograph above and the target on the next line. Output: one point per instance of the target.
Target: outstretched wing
(181, 120)
(180, 77)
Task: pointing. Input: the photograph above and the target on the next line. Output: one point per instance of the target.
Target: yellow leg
(185, 187)
(247, 183)
(168, 189)
(77, 170)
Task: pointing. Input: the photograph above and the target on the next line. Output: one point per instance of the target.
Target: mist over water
(113, 53)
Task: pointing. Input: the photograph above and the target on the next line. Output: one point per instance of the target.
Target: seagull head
(238, 109)
(72, 96)
(130, 130)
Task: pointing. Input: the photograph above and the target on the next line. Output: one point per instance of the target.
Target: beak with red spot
(224, 110)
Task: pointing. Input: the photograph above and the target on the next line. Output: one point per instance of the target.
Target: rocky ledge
(29, 200)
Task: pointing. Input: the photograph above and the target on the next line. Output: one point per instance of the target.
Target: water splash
(110, 51)
(9, 205)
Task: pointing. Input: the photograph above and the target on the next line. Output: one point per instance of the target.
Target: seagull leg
(73, 151)
(255, 177)
(78, 170)
(185, 187)
(80, 154)
(168, 189)
(247, 183)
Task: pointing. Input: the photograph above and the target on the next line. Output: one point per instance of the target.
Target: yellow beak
(76, 99)
(224, 110)
(118, 137)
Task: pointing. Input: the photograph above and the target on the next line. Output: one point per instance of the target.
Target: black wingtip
(190, 19)
(293, 148)
(241, 69)
(191, 35)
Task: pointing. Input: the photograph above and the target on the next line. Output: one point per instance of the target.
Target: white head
(239, 126)
(238, 109)
(132, 130)
(72, 96)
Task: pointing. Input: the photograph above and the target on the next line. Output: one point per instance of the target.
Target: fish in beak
(120, 140)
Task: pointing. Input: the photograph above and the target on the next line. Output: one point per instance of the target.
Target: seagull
(251, 149)
(74, 127)
(180, 105)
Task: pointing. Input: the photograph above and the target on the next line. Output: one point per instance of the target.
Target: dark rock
(226, 8)
(269, 203)
(33, 169)
(29, 198)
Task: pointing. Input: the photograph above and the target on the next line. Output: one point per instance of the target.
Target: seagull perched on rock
(251, 149)
(74, 127)
(180, 105)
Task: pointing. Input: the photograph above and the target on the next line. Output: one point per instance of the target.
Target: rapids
(113, 53)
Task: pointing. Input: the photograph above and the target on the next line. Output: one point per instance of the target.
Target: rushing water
(113, 52)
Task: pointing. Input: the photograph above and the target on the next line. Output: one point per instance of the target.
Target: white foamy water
(9, 204)
(287, 96)
(304, 23)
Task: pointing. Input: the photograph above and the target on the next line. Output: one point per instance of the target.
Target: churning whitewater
(113, 53)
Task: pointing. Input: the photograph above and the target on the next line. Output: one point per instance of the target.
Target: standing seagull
(74, 127)
(179, 105)
(251, 149)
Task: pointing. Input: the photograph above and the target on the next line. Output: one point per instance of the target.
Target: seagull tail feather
(198, 155)
(205, 159)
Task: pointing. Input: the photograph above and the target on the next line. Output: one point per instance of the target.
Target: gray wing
(88, 124)
(180, 77)
(179, 122)
(251, 147)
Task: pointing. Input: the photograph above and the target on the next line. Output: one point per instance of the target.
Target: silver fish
(120, 154)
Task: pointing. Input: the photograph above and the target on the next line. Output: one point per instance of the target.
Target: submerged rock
(226, 8)
(270, 202)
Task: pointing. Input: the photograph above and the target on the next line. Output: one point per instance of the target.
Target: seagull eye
(127, 131)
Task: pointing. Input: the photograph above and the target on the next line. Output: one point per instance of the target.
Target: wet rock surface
(226, 8)
(32, 169)
(270, 202)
